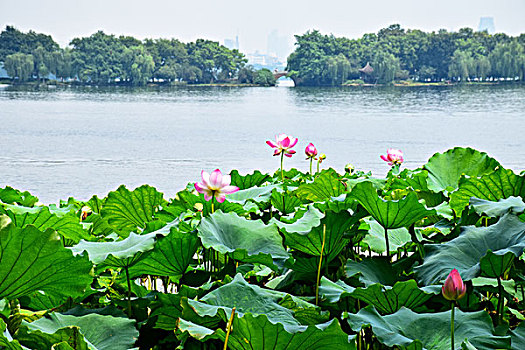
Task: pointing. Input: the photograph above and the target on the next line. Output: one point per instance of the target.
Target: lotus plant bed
(429, 258)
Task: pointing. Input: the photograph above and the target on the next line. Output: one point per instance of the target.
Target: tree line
(398, 54)
(106, 59)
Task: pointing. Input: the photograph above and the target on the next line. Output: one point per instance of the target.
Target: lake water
(61, 142)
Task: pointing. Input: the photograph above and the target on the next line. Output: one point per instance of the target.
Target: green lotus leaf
(171, 255)
(255, 194)
(66, 223)
(445, 169)
(406, 328)
(128, 211)
(33, 260)
(378, 184)
(302, 222)
(250, 180)
(100, 332)
(465, 252)
(6, 340)
(390, 214)
(166, 309)
(63, 346)
(335, 224)
(499, 208)
(279, 307)
(197, 331)
(244, 240)
(284, 202)
(326, 185)
(252, 332)
(386, 299)
(375, 239)
(10, 195)
(517, 337)
(501, 184)
(410, 179)
(372, 271)
(121, 253)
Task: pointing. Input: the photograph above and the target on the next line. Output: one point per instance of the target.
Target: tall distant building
(232, 44)
(278, 46)
(487, 23)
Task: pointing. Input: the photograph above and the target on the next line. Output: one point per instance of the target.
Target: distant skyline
(218, 20)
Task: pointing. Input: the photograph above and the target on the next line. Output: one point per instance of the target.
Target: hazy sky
(253, 20)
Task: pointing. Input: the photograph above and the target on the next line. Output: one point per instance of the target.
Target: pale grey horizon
(218, 20)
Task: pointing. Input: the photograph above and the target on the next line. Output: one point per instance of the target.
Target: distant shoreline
(6, 82)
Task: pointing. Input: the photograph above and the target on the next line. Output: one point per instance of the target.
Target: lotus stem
(213, 204)
(319, 268)
(500, 301)
(387, 244)
(318, 162)
(228, 330)
(311, 161)
(129, 292)
(282, 171)
(452, 327)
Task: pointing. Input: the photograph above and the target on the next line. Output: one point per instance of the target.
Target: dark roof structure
(367, 69)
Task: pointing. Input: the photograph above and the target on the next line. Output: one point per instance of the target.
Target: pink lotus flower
(310, 151)
(283, 143)
(453, 288)
(215, 185)
(393, 157)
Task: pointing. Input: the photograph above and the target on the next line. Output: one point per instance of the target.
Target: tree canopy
(395, 53)
(107, 59)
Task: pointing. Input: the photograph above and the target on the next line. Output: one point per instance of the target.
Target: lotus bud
(310, 151)
(349, 168)
(454, 288)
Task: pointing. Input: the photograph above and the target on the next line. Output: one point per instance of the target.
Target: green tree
(264, 77)
(19, 66)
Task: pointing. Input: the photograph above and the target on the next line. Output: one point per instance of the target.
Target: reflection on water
(80, 141)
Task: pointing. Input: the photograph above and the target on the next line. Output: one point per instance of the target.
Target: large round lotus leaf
(390, 214)
(32, 260)
(333, 226)
(257, 333)
(118, 253)
(126, 210)
(517, 337)
(386, 299)
(429, 330)
(302, 222)
(100, 332)
(171, 256)
(247, 298)
(245, 240)
(375, 239)
(372, 271)
(11, 196)
(445, 169)
(325, 186)
(67, 225)
(252, 332)
(502, 183)
(493, 209)
(465, 252)
(250, 180)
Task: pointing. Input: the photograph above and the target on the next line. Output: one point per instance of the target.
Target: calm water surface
(78, 142)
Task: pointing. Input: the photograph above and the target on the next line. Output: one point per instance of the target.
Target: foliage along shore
(393, 55)
(103, 59)
(291, 258)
